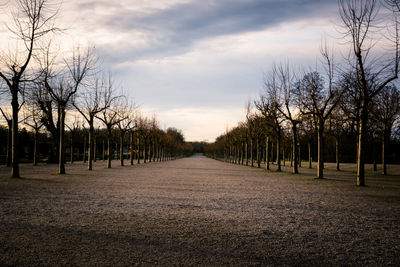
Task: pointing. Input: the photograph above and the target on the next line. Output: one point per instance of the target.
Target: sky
(195, 63)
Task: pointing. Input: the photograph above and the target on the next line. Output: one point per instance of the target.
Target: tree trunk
(84, 149)
(374, 152)
(283, 154)
(94, 147)
(251, 152)
(258, 154)
(149, 151)
(272, 152)
(109, 147)
(361, 145)
(14, 137)
(121, 148)
(291, 154)
(320, 165)
(384, 145)
(104, 151)
(246, 153)
(309, 155)
(278, 152)
(295, 169)
(337, 153)
(90, 151)
(138, 149)
(154, 150)
(299, 154)
(239, 148)
(267, 153)
(35, 140)
(131, 147)
(9, 138)
(144, 151)
(71, 148)
(61, 162)
(241, 153)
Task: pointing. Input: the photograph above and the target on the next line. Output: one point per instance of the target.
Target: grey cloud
(176, 29)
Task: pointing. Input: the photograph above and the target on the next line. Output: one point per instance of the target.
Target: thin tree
(125, 124)
(283, 96)
(319, 98)
(273, 118)
(32, 20)
(73, 127)
(33, 120)
(92, 101)
(50, 117)
(337, 125)
(386, 112)
(109, 116)
(8, 118)
(63, 84)
(360, 22)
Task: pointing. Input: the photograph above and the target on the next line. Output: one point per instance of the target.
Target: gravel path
(194, 211)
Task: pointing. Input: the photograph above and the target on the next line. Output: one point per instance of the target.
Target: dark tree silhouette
(360, 19)
(32, 20)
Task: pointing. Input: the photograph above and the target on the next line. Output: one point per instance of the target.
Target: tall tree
(283, 96)
(50, 117)
(318, 97)
(273, 118)
(33, 120)
(361, 19)
(63, 84)
(32, 19)
(125, 124)
(8, 118)
(74, 127)
(386, 111)
(109, 116)
(92, 101)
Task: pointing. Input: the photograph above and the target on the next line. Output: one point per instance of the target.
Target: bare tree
(250, 133)
(307, 129)
(32, 19)
(283, 96)
(124, 124)
(8, 118)
(386, 112)
(33, 120)
(109, 116)
(141, 124)
(319, 98)
(63, 84)
(336, 127)
(73, 127)
(50, 117)
(92, 101)
(273, 118)
(360, 21)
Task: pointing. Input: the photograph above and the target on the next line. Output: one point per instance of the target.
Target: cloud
(195, 63)
(200, 123)
(133, 30)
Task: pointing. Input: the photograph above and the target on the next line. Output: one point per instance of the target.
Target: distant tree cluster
(345, 108)
(65, 98)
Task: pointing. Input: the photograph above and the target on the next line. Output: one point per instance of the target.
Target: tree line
(355, 103)
(65, 97)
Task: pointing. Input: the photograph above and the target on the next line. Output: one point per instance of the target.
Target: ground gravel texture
(196, 211)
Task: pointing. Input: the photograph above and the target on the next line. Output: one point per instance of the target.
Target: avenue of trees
(56, 104)
(347, 112)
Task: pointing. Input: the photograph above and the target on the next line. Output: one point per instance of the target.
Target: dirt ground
(197, 211)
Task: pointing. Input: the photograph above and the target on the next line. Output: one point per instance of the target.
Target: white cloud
(199, 123)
